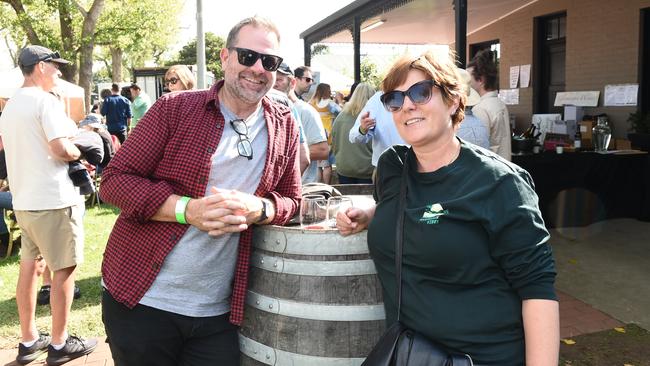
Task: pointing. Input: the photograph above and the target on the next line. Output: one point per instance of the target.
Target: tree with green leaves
(134, 31)
(213, 46)
(131, 30)
(370, 73)
(64, 25)
(320, 49)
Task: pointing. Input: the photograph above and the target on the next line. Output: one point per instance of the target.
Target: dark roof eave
(343, 18)
(339, 15)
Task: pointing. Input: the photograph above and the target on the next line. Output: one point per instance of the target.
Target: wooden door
(550, 46)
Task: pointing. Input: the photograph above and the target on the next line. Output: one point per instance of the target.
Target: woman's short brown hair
(438, 67)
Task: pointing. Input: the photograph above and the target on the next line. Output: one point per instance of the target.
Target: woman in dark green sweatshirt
(478, 273)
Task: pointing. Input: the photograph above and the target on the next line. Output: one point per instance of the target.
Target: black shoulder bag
(400, 346)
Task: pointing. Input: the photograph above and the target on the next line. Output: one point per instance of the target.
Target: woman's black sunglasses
(248, 58)
(419, 93)
(172, 81)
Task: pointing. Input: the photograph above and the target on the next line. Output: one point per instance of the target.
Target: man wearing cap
(140, 105)
(282, 98)
(35, 132)
(310, 120)
(93, 122)
(199, 171)
(117, 110)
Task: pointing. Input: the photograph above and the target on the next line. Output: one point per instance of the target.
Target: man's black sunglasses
(419, 93)
(248, 58)
(309, 80)
(244, 147)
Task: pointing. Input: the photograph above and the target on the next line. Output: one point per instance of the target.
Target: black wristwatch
(263, 214)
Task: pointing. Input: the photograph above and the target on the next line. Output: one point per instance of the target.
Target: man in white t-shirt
(490, 109)
(35, 132)
(310, 119)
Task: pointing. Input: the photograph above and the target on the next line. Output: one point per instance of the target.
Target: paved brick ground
(576, 317)
(100, 357)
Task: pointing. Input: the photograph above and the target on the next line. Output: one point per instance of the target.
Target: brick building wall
(602, 47)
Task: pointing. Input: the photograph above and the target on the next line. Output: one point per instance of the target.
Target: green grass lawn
(86, 314)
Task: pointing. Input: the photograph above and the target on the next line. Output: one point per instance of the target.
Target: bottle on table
(577, 139)
(602, 134)
(529, 133)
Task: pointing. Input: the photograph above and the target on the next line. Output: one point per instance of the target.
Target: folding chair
(12, 228)
(94, 199)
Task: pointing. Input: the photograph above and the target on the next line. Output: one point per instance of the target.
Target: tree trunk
(67, 41)
(87, 41)
(116, 61)
(87, 47)
(12, 54)
(25, 20)
(108, 68)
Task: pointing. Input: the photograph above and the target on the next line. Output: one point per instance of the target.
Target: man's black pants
(145, 336)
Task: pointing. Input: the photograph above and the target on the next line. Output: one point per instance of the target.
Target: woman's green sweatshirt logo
(432, 214)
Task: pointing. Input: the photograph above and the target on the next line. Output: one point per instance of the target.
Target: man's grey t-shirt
(196, 277)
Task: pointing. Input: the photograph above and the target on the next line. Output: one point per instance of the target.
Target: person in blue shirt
(117, 110)
(472, 129)
(375, 124)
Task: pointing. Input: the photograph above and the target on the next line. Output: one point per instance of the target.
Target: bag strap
(399, 233)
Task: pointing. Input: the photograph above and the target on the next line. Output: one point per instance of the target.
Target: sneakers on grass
(29, 354)
(75, 347)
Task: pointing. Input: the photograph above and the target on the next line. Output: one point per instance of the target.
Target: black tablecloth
(577, 189)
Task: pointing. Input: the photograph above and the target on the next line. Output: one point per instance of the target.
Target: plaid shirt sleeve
(136, 166)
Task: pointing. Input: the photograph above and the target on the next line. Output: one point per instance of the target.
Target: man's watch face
(263, 215)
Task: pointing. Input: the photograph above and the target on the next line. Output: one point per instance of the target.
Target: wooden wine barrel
(314, 299)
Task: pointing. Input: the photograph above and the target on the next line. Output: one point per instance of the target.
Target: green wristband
(181, 206)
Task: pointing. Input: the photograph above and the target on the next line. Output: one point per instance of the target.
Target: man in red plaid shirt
(197, 172)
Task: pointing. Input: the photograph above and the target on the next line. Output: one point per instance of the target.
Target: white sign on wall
(514, 76)
(581, 98)
(524, 76)
(621, 95)
(509, 96)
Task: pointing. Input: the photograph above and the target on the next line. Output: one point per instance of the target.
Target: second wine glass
(336, 205)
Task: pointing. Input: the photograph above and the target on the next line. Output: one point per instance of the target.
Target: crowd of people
(486, 122)
(195, 171)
